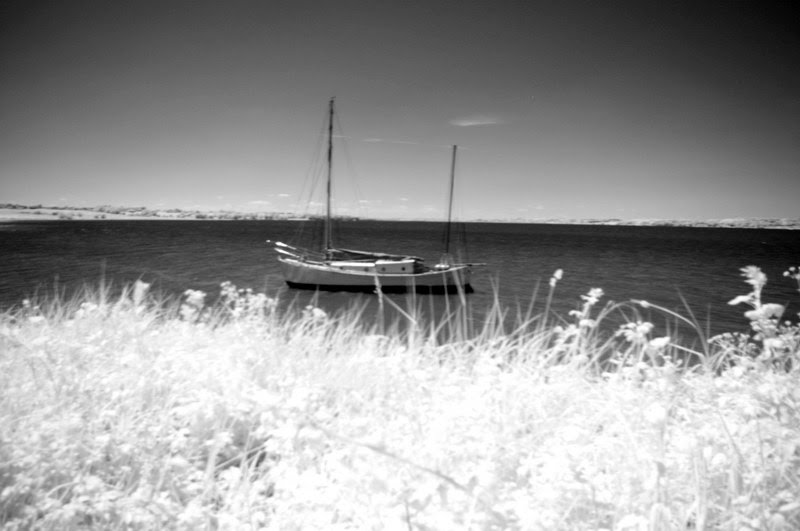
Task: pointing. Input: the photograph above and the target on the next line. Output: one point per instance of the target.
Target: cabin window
(403, 268)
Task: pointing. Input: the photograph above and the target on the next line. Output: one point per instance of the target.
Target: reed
(135, 413)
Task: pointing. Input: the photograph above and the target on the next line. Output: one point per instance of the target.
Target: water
(664, 265)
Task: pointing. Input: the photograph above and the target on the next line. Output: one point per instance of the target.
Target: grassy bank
(135, 414)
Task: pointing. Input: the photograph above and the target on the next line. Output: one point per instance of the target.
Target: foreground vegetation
(129, 413)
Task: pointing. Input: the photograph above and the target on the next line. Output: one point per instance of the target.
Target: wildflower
(755, 277)
(195, 297)
(556, 277)
(766, 311)
(635, 332)
(589, 300)
(594, 295)
(776, 339)
(86, 309)
(773, 343)
(193, 305)
(315, 314)
(793, 273)
(660, 342)
(244, 303)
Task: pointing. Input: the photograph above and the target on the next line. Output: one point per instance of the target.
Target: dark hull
(428, 290)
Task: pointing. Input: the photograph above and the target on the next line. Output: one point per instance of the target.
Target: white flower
(315, 314)
(195, 297)
(755, 277)
(556, 277)
(765, 311)
(594, 295)
(660, 342)
(635, 332)
(775, 343)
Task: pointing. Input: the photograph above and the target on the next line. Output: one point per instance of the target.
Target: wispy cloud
(388, 141)
(477, 119)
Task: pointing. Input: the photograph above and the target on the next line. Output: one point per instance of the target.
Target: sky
(560, 109)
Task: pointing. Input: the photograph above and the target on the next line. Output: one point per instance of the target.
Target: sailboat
(337, 269)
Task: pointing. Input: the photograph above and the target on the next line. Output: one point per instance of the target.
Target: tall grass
(132, 413)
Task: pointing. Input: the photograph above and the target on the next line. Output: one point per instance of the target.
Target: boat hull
(309, 275)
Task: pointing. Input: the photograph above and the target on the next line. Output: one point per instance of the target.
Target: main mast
(446, 259)
(328, 229)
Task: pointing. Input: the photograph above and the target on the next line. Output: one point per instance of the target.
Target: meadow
(126, 411)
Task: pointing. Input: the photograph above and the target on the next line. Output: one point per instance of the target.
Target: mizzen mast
(446, 259)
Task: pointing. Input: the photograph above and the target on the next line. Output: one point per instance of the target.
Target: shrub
(142, 414)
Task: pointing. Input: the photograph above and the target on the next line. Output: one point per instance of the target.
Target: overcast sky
(561, 109)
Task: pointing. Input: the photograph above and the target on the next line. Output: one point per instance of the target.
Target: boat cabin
(388, 267)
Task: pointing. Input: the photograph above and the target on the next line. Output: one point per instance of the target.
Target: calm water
(659, 264)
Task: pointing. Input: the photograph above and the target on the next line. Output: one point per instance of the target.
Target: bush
(140, 414)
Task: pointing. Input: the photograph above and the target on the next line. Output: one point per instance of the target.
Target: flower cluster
(572, 339)
(126, 415)
(636, 332)
(777, 340)
(314, 314)
(193, 304)
(793, 273)
(31, 312)
(245, 304)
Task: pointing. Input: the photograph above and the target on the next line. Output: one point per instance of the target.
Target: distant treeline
(67, 212)
(100, 212)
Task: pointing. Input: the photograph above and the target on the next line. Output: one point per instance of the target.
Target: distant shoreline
(12, 212)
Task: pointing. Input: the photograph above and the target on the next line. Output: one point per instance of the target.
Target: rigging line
(310, 181)
(313, 172)
(349, 162)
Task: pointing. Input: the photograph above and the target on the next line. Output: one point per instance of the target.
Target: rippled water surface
(664, 265)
